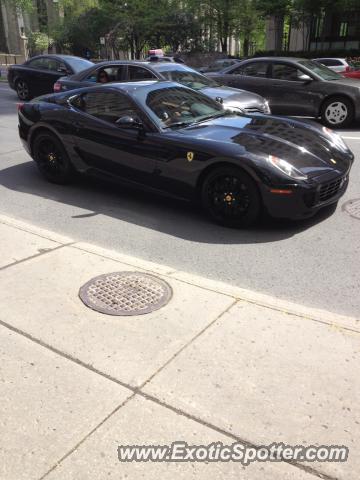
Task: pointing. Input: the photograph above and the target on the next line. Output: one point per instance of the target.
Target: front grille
(329, 190)
(254, 110)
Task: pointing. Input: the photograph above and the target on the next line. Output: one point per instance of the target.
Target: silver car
(231, 98)
(339, 65)
(130, 71)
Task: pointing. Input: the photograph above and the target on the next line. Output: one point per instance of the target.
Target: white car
(339, 65)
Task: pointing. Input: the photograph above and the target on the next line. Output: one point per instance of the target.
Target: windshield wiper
(217, 115)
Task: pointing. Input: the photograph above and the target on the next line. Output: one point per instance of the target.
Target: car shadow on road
(176, 218)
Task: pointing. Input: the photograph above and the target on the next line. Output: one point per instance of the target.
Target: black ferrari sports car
(171, 139)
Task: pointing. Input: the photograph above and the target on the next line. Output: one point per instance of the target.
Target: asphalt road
(314, 262)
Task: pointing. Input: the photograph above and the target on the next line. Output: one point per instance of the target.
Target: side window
(37, 63)
(282, 71)
(107, 106)
(136, 74)
(113, 73)
(254, 69)
(52, 64)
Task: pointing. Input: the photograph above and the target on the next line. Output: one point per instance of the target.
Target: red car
(353, 74)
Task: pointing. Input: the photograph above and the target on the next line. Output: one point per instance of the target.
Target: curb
(334, 320)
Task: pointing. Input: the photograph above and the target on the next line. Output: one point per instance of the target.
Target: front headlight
(335, 138)
(286, 168)
(266, 107)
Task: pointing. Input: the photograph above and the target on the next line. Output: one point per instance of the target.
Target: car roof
(55, 55)
(330, 58)
(287, 59)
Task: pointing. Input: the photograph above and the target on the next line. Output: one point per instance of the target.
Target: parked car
(339, 65)
(219, 65)
(172, 139)
(127, 71)
(353, 74)
(163, 58)
(38, 75)
(296, 86)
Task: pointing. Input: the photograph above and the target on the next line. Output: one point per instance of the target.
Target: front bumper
(305, 200)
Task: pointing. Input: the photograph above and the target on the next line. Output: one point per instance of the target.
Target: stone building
(15, 25)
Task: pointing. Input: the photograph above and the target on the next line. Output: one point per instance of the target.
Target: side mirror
(129, 122)
(305, 78)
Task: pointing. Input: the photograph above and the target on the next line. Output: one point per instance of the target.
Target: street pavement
(210, 366)
(314, 263)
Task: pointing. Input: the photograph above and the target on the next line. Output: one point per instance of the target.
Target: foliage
(187, 25)
(39, 42)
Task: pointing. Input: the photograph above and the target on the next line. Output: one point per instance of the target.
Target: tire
(230, 197)
(22, 90)
(337, 112)
(52, 159)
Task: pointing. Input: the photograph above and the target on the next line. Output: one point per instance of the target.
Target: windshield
(176, 106)
(189, 79)
(320, 70)
(78, 64)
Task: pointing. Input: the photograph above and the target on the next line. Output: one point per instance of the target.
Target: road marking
(351, 138)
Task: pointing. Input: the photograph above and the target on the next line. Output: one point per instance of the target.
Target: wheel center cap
(51, 157)
(228, 197)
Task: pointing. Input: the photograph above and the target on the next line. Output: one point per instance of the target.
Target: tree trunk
(246, 46)
(279, 31)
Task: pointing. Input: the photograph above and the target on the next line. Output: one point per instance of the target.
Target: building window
(343, 29)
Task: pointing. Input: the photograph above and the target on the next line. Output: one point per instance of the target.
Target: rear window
(77, 64)
(330, 62)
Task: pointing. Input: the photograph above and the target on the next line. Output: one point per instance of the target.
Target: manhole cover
(352, 207)
(125, 293)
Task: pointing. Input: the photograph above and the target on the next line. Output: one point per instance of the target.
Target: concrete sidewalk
(217, 363)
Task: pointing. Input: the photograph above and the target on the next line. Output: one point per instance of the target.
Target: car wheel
(337, 112)
(52, 159)
(231, 197)
(22, 90)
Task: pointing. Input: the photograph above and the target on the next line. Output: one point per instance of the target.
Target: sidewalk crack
(187, 344)
(43, 251)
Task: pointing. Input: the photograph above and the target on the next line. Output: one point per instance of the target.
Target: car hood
(308, 147)
(349, 82)
(233, 97)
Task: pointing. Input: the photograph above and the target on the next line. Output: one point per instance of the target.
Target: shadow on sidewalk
(176, 218)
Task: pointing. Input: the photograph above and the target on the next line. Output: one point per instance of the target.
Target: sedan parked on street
(296, 86)
(168, 138)
(38, 75)
(123, 71)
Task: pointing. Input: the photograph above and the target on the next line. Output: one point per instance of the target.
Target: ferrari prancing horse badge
(190, 156)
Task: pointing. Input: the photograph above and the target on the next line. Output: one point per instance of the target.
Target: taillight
(347, 69)
(57, 87)
(20, 106)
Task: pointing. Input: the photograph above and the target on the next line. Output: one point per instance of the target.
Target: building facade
(16, 25)
(332, 30)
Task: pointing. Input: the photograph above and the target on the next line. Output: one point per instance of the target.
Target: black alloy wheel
(22, 90)
(52, 159)
(231, 197)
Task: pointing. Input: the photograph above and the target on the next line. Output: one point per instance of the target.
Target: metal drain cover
(125, 293)
(352, 207)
